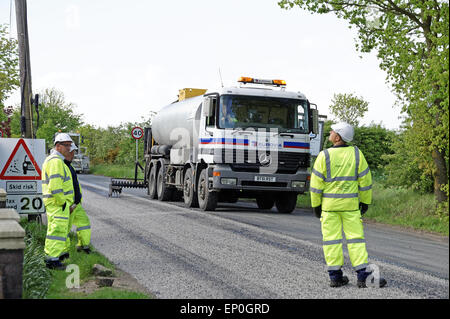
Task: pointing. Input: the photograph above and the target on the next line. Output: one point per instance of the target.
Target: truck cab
(248, 141)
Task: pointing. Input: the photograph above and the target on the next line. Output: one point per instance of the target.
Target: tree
(114, 145)
(348, 108)
(405, 167)
(411, 39)
(9, 76)
(55, 114)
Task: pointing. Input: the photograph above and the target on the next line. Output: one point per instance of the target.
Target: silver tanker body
(179, 115)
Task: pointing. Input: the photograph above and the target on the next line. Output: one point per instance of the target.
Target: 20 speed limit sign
(137, 133)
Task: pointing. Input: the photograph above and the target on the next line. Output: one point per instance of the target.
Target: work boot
(362, 278)
(64, 256)
(339, 282)
(55, 264)
(362, 284)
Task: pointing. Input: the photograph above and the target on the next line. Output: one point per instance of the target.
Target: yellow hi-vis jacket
(340, 179)
(57, 186)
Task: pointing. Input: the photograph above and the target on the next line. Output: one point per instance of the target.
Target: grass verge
(40, 282)
(114, 170)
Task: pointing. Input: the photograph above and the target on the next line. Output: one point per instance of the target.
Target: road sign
(20, 174)
(26, 203)
(137, 133)
(21, 164)
(20, 187)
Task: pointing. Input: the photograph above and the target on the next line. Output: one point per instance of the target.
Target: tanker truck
(248, 141)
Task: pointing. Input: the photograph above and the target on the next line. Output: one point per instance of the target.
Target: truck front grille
(288, 162)
(264, 184)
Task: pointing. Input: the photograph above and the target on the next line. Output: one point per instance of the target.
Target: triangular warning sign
(21, 165)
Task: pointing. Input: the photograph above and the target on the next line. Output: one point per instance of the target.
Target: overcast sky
(119, 60)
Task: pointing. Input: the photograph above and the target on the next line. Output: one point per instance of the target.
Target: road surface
(239, 251)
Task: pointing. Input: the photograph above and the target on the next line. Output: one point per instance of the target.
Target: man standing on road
(57, 190)
(341, 190)
(78, 215)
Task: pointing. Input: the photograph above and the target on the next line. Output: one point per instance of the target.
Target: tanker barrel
(177, 119)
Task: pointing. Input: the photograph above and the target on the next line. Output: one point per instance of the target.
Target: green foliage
(36, 278)
(55, 114)
(405, 207)
(39, 282)
(406, 168)
(9, 71)
(114, 145)
(116, 170)
(9, 76)
(374, 141)
(412, 43)
(348, 108)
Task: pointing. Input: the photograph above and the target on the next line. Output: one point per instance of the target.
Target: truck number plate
(265, 179)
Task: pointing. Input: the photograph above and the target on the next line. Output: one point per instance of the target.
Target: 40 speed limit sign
(137, 133)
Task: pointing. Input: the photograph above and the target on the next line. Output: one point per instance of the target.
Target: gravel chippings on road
(180, 253)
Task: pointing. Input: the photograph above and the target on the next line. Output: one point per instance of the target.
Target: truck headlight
(228, 181)
(298, 184)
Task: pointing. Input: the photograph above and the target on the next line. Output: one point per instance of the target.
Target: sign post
(137, 133)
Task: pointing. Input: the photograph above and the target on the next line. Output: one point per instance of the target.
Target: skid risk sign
(21, 164)
(20, 173)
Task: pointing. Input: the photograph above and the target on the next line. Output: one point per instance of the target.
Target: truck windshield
(286, 115)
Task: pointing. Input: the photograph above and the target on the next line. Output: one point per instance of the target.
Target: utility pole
(25, 70)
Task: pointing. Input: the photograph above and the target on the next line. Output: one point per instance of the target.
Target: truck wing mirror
(207, 107)
(315, 121)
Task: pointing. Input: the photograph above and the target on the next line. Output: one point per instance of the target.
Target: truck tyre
(189, 193)
(206, 200)
(265, 202)
(164, 192)
(152, 183)
(286, 202)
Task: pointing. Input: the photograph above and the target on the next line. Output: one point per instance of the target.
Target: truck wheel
(152, 183)
(164, 192)
(265, 202)
(206, 200)
(286, 202)
(189, 194)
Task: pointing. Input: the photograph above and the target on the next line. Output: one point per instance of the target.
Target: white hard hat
(73, 147)
(62, 137)
(345, 131)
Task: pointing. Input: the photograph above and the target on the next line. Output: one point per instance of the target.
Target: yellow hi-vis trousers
(80, 219)
(332, 224)
(57, 239)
